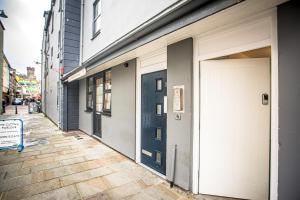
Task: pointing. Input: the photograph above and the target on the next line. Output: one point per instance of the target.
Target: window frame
(95, 18)
(107, 91)
(89, 109)
(104, 111)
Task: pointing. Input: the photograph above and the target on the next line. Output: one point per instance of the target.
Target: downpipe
(172, 178)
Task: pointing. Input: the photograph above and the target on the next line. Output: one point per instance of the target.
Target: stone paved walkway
(57, 165)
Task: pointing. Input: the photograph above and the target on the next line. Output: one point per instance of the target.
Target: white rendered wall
(85, 118)
(51, 107)
(118, 18)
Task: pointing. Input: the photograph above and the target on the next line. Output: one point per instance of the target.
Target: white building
(201, 80)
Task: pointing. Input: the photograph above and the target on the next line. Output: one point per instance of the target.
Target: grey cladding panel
(73, 3)
(72, 29)
(70, 49)
(73, 106)
(180, 71)
(72, 23)
(72, 43)
(71, 56)
(72, 8)
(289, 98)
(71, 36)
(70, 63)
(72, 15)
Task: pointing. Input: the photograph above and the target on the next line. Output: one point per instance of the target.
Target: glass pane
(158, 85)
(97, 9)
(158, 109)
(158, 133)
(108, 80)
(99, 94)
(158, 157)
(107, 101)
(97, 24)
(90, 84)
(90, 101)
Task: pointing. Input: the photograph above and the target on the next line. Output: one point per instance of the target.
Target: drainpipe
(82, 31)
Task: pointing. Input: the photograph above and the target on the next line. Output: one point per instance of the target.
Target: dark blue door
(154, 118)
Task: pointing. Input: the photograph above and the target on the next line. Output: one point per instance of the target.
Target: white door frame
(266, 40)
(152, 62)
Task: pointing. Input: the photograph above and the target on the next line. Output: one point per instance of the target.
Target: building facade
(191, 90)
(6, 80)
(12, 84)
(1, 61)
(60, 54)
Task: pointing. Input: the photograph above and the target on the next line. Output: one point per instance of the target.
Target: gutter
(176, 16)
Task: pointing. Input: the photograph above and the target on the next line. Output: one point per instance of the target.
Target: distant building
(5, 80)
(31, 73)
(1, 61)
(60, 55)
(12, 84)
(27, 87)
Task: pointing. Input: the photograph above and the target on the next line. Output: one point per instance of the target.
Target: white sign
(11, 134)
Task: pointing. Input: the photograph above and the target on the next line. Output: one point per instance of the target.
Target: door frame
(151, 62)
(270, 18)
(98, 75)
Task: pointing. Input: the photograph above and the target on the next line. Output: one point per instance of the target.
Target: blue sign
(11, 134)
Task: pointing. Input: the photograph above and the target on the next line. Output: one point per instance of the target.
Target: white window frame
(96, 16)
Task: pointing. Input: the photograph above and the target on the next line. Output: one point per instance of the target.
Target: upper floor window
(96, 17)
(52, 19)
(59, 40)
(51, 52)
(60, 6)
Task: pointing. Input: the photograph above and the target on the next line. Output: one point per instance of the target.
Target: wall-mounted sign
(11, 134)
(178, 96)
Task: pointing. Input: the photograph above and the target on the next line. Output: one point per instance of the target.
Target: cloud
(24, 32)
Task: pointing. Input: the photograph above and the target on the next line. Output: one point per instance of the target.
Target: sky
(23, 33)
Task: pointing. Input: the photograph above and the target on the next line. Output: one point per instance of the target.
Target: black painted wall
(71, 39)
(289, 100)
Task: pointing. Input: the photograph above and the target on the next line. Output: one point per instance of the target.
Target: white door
(235, 128)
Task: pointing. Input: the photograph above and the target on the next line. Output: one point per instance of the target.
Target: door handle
(265, 99)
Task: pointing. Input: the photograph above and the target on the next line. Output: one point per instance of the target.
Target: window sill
(95, 35)
(108, 114)
(88, 110)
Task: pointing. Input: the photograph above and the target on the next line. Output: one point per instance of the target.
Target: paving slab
(60, 166)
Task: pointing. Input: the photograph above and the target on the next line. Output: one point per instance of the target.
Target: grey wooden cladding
(71, 52)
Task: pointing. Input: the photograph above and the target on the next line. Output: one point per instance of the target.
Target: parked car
(17, 101)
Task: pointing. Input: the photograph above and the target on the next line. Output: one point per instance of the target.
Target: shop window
(99, 94)
(89, 94)
(102, 92)
(107, 92)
